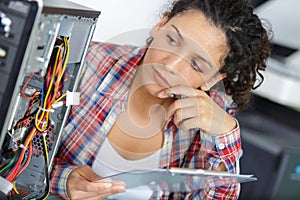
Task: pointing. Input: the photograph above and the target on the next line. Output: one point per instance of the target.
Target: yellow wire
(15, 188)
(31, 134)
(60, 98)
(47, 159)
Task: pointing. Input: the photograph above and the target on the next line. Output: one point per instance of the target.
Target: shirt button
(221, 146)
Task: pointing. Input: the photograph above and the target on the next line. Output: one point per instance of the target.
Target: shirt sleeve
(59, 176)
(222, 149)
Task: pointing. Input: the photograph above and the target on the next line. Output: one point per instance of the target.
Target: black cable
(47, 188)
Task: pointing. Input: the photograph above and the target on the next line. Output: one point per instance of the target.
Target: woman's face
(186, 50)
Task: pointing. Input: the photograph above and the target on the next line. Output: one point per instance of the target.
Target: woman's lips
(160, 79)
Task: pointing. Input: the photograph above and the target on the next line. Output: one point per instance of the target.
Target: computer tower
(42, 50)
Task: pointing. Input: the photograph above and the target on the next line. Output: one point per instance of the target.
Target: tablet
(180, 179)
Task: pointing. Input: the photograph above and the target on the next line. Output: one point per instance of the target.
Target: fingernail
(162, 95)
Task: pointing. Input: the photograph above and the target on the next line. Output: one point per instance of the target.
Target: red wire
(28, 159)
(12, 176)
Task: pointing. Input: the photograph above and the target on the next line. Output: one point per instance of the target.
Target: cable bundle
(36, 120)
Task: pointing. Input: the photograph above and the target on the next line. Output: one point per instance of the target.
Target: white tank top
(109, 162)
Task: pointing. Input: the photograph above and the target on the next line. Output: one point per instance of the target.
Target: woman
(161, 106)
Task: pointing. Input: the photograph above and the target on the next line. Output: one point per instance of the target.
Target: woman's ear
(214, 80)
(160, 24)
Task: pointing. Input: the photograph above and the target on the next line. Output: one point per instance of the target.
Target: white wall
(125, 21)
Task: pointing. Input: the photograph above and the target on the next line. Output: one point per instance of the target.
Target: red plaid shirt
(109, 71)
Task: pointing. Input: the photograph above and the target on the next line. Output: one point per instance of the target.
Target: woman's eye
(172, 41)
(196, 67)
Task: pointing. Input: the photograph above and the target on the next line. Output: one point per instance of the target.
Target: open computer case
(42, 49)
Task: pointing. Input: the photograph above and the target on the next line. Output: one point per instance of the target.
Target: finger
(182, 90)
(82, 195)
(184, 114)
(86, 186)
(114, 182)
(214, 80)
(190, 123)
(181, 104)
(102, 185)
(112, 190)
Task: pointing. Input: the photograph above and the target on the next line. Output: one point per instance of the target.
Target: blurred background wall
(121, 19)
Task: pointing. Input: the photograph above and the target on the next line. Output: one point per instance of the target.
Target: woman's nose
(175, 61)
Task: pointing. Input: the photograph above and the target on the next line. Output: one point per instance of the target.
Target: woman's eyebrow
(204, 60)
(178, 32)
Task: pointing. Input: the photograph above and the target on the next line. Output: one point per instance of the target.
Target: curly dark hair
(247, 38)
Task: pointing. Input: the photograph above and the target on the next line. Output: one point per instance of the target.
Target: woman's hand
(84, 183)
(197, 110)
